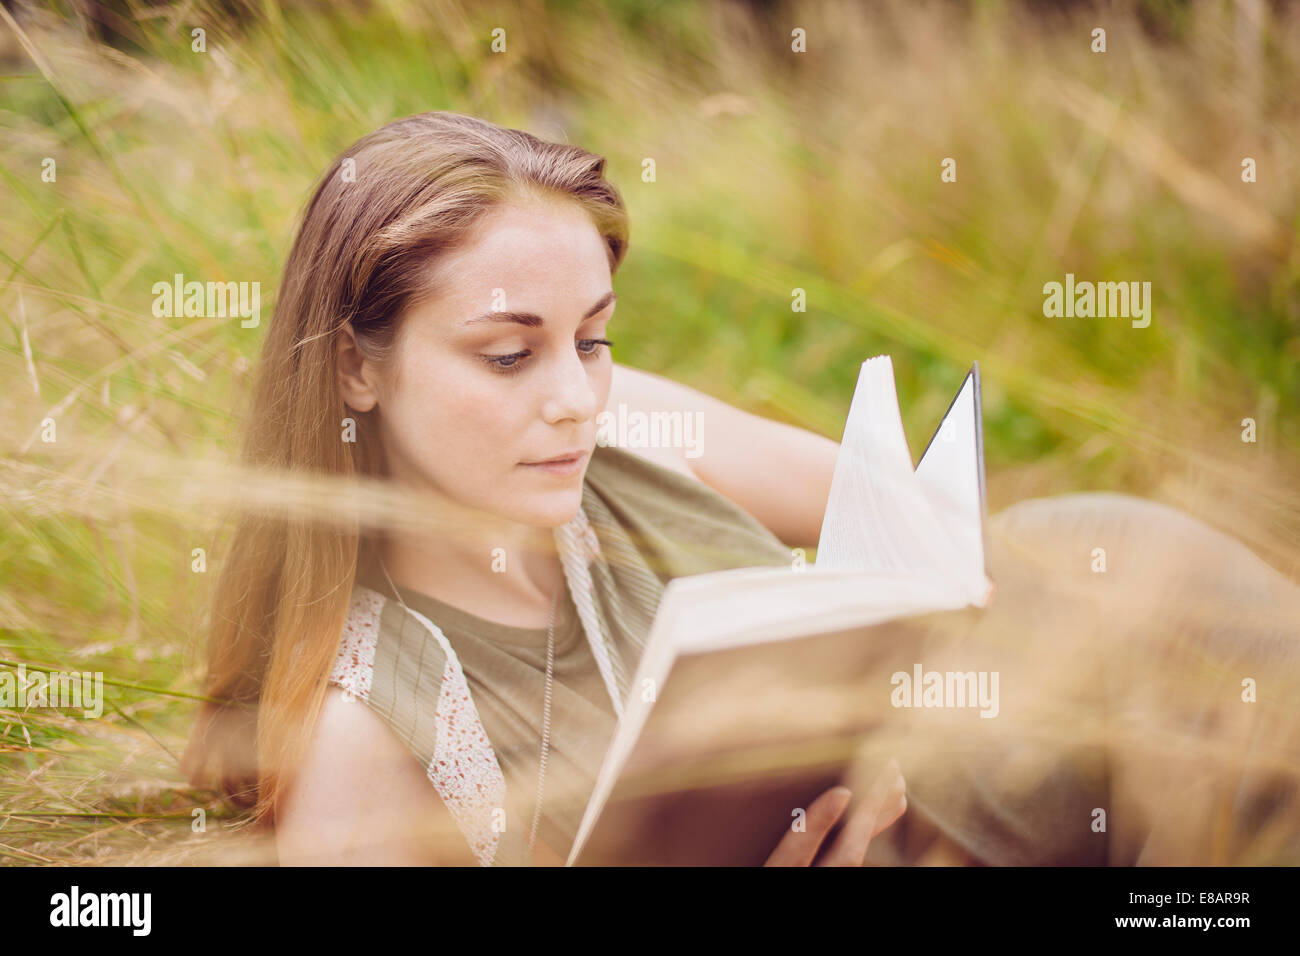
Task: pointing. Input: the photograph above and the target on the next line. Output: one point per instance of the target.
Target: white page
(949, 471)
(878, 515)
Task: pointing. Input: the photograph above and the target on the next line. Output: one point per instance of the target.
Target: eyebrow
(532, 319)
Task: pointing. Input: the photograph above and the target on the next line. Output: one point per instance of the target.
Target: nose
(570, 396)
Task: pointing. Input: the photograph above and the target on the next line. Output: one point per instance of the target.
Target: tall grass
(773, 171)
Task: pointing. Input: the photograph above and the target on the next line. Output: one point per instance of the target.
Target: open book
(749, 699)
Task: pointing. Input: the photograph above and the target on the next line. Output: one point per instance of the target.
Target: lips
(566, 467)
(566, 458)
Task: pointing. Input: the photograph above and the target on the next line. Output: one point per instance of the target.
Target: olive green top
(653, 524)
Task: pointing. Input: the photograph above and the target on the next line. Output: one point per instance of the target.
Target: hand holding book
(884, 802)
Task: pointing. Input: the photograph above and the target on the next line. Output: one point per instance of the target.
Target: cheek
(451, 423)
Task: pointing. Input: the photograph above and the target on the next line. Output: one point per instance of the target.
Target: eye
(514, 362)
(507, 364)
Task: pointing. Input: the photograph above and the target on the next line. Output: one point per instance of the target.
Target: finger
(885, 820)
(800, 848)
(890, 815)
(882, 806)
(894, 804)
(878, 809)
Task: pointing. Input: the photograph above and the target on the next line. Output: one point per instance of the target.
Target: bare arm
(779, 473)
(361, 798)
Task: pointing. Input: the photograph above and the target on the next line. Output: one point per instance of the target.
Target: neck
(499, 569)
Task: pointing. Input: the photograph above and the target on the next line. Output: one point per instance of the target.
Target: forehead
(538, 252)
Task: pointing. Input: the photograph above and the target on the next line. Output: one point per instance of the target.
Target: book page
(879, 516)
(951, 472)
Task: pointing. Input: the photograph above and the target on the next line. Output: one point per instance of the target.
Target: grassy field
(774, 171)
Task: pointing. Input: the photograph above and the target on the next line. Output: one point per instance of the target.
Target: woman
(443, 691)
(446, 304)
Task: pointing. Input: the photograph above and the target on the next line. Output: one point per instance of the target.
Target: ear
(356, 373)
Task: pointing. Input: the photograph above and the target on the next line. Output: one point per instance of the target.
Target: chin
(552, 510)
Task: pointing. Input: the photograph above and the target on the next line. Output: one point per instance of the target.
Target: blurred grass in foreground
(774, 171)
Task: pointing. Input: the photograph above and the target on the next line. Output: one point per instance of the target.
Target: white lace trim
(464, 768)
(354, 667)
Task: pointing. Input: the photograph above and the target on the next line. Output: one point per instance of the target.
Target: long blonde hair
(389, 205)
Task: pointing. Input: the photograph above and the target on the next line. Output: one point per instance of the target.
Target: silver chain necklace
(546, 706)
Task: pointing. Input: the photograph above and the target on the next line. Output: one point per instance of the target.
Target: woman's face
(503, 368)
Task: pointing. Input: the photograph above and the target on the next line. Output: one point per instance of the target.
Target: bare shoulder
(361, 798)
